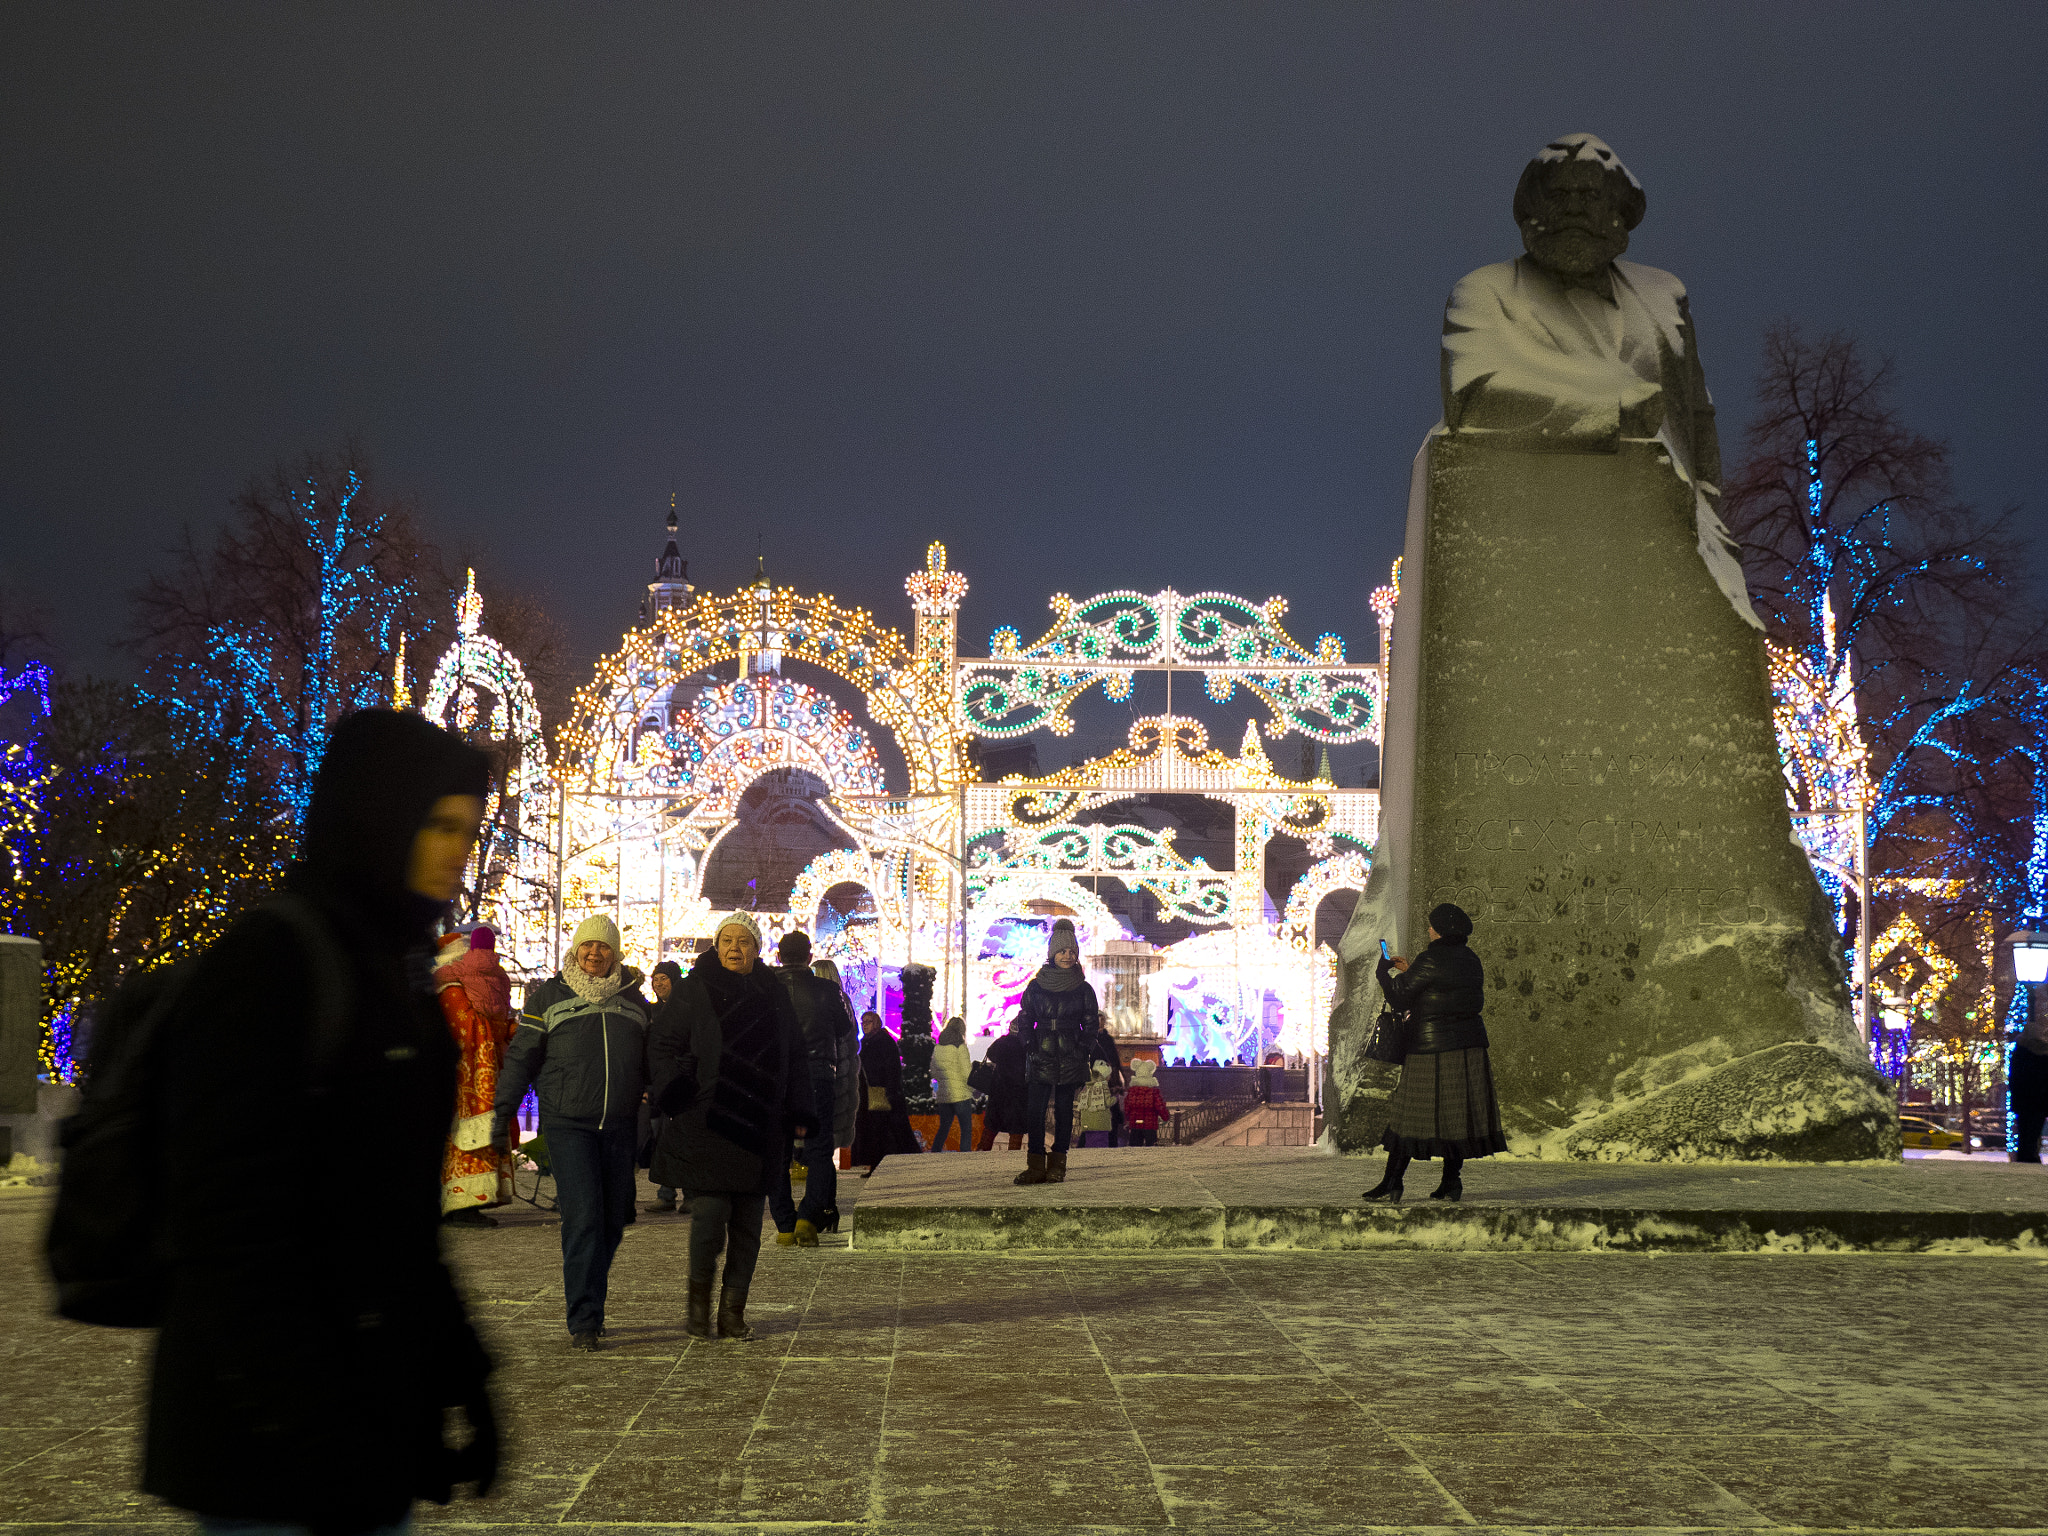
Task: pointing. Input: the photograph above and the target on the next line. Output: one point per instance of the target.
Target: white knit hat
(1145, 1066)
(599, 927)
(738, 920)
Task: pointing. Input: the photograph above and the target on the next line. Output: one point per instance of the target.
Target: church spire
(671, 585)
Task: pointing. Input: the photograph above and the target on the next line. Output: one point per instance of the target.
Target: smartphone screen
(1385, 953)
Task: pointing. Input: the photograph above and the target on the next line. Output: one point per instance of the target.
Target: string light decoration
(1230, 641)
(259, 694)
(735, 732)
(1826, 766)
(773, 624)
(480, 691)
(1347, 871)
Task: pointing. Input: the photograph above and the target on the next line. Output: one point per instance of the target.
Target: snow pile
(23, 1170)
(1797, 1101)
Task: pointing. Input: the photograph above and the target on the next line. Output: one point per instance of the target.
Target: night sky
(1103, 296)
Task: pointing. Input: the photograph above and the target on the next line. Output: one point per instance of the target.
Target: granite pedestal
(1581, 755)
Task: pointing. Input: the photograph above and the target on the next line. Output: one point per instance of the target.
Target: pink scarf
(483, 978)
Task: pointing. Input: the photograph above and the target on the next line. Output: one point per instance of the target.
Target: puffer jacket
(950, 1066)
(1442, 994)
(587, 1061)
(1059, 1028)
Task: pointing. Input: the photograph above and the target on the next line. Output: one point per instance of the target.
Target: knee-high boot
(1389, 1188)
(1453, 1185)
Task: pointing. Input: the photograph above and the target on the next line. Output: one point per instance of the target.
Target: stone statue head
(1575, 204)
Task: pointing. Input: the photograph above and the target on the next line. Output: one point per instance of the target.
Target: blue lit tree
(291, 620)
(1865, 565)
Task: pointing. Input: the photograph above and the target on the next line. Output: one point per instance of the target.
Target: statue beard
(1572, 250)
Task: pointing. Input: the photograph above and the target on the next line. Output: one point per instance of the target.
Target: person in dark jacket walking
(304, 1366)
(1059, 1015)
(1009, 1096)
(727, 1057)
(845, 1066)
(821, 1017)
(582, 1043)
(882, 1123)
(660, 981)
(1444, 1105)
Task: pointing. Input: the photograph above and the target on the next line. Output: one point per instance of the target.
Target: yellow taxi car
(1919, 1131)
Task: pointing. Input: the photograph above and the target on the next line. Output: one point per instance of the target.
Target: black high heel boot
(1452, 1187)
(1388, 1190)
(828, 1219)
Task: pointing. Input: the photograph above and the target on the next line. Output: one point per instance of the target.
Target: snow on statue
(1573, 349)
(1580, 749)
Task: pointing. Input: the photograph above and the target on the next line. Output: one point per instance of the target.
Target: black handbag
(1388, 1042)
(981, 1077)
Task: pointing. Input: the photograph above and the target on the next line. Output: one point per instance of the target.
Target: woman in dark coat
(1060, 1016)
(726, 1058)
(1009, 1096)
(1444, 1106)
(305, 1362)
(881, 1125)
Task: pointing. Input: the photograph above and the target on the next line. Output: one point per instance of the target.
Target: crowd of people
(310, 1374)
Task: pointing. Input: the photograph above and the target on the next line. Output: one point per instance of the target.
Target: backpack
(104, 1246)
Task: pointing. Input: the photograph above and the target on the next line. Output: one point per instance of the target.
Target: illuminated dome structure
(782, 752)
(479, 690)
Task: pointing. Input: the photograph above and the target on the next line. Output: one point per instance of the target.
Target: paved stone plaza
(1235, 1391)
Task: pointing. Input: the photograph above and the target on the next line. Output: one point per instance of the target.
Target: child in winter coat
(1144, 1105)
(1092, 1106)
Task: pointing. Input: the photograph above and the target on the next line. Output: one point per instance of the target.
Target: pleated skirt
(1445, 1103)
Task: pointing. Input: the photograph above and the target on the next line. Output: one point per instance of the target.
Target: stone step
(1277, 1199)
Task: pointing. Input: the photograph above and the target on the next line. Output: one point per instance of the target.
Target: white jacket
(949, 1074)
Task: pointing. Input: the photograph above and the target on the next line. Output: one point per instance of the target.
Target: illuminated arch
(734, 733)
(1347, 871)
(907, 698)
(1009, 894)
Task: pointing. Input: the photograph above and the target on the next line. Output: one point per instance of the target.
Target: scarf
(597, 989)
(1053, 979)
(483, 979)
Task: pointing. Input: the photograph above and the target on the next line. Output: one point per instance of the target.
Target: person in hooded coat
(662, 982)
(304, 1366)
(1059, 1014)
(1444, 1105)
(476, 1000)
(582, 1045)
(845, 1066)
(729, 1068)
(1009, 1096)
(881, 1124)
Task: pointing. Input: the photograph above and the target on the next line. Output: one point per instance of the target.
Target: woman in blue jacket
(582, 1044)
(1058, 1019)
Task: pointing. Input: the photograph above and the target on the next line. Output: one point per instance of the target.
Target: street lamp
(2029, 955)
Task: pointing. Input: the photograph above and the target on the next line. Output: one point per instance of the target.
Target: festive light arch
(1229, 640)
(774, 624)
(732, 734)
(1347, 871)
(1011, 894)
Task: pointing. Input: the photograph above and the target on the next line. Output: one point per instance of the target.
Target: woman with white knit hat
(582, 1041)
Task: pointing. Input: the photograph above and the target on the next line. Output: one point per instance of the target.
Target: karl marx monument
(1579, 747)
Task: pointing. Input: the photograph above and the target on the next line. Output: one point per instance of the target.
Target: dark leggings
(717, 1218)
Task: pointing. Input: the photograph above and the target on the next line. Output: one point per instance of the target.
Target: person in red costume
(476, 999)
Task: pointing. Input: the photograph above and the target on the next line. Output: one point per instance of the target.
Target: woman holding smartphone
(1444, 1106)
